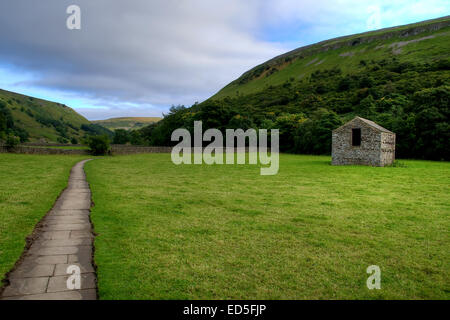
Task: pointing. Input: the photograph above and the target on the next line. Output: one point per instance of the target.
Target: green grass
(310, 232)
(29, 185)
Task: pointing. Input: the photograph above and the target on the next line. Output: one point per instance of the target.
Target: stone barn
(361, 141)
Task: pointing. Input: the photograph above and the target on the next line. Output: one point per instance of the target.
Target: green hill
(419, 42)
(34, 119)
(127, 123)
(398, 77)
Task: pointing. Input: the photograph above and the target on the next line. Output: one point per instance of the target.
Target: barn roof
(369, 122)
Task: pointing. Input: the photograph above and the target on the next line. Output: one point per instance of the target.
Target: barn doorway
(356, 137)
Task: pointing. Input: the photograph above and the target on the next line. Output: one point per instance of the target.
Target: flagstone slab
(61, 269)
(64, 242)
(69, 212)
(76, 202)
(55, 235)
(26, 286)
(59, 283)
(51, 259)
(83, 256)
(53, 251)
(66, 219)
(86, 294)
(33, 270)
(77, 234)
(68, 227)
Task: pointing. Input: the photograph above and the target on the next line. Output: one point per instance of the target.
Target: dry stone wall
(115, 150)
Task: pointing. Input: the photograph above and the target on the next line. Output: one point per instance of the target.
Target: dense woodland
(410, 99)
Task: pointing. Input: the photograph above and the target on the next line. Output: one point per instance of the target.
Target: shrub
(397, 164)
(11, 141)
(62, 140)
(99, 145)
(121, 136)
(74, 140)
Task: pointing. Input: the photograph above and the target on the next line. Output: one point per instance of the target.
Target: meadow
(29, 185)
(310, 232)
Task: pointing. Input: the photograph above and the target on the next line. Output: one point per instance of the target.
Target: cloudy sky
(139, 57)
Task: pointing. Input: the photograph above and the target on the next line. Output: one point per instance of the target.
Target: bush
(62, 140)
(314, 135)
(99, 145)
(121, 136)
(11, 141)
(74, 140)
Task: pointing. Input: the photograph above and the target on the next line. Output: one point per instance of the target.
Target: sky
(139, 57)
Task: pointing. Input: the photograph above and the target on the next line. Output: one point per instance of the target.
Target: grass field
(29, 185)
(310, 232)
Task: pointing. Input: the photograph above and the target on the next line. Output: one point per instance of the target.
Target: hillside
(33, 119)
(398, 77)
(127, 123)
(419, 42)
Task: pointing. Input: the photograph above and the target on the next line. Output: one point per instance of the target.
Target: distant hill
(398, 77)
(127, 123)
(34, 119)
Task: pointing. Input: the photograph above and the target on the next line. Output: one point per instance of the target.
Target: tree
(314, 135)
(366, 107)
(366, 82)
(344, 84)
(136, 138)
(431, 122)
(12, 141)
(121, 136)
(98, 145)
(288, 124)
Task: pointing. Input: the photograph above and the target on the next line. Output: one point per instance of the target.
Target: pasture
(310, 232)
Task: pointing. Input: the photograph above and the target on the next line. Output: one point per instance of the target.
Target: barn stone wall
(387, 148)
(377, 147)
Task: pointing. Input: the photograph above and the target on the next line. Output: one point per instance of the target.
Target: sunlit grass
(310, 232)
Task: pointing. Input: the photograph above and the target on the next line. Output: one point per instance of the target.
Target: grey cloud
(145, 52)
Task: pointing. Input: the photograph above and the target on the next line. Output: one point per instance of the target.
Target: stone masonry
(63, 238)
(376, 148)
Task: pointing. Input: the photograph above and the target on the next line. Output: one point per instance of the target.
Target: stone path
(63, 238)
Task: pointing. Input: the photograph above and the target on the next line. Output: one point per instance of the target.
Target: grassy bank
(29, 185)
(310, 232)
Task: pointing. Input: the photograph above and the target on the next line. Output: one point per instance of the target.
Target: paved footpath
(63, 238)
